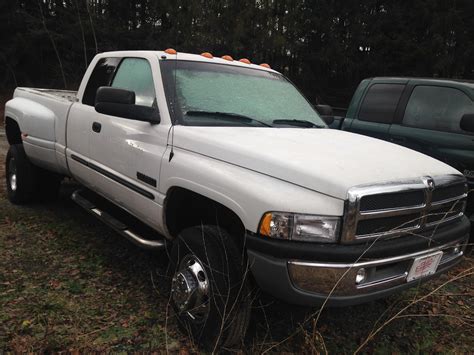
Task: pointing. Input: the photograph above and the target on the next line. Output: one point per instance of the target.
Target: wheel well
(184, 208)
(13, 132)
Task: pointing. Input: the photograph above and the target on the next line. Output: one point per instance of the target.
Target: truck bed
(66, 95)
(42, 116)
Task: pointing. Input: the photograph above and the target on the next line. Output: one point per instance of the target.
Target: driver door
(127, 153)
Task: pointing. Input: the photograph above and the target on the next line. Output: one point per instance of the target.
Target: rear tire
(209, 291)
(21, 176)
(27, 182)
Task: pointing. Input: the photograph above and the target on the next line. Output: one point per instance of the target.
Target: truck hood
(324, 160)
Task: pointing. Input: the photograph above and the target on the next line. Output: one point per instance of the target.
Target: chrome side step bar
(114, 223)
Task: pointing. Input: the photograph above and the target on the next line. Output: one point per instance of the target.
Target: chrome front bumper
(308, 275)
(340, 279)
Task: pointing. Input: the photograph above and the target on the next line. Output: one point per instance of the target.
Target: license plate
(424, 266)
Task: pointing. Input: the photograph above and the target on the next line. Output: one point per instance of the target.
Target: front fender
(247, 193)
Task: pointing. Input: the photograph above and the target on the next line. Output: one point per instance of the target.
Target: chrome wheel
(12, 177)
(190, 289)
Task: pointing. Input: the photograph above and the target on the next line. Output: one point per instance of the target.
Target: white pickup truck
(228, 165)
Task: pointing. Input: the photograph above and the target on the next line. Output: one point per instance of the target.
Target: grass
(69, 283)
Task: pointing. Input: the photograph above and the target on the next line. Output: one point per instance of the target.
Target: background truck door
(377, 110)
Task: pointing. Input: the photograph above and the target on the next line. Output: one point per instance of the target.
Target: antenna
(173, 122)
(172, 143)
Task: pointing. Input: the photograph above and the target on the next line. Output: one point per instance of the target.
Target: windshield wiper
(298, 123)
(236, 116)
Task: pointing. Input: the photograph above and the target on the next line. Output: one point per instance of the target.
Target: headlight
(302, 227)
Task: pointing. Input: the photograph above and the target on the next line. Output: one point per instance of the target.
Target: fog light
(360, 276)
(457, 249)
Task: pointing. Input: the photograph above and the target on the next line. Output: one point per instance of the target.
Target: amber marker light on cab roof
(207, 55)
(244, 60)
(265, 65)
(170, 51)
(227, 57)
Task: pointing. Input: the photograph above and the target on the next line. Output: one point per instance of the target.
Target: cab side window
(135, 74)
(101, 76)
(380, 103)
(437, 108)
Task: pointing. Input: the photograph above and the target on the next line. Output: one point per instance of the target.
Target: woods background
(325, 46)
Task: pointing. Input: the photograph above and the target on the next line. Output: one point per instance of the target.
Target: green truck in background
(432, 116)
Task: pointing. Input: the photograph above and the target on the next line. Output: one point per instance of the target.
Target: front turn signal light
(265, 225)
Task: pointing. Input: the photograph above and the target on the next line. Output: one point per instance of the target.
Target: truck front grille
(394, 200)
(448, 192)
(397, 208)
(379, 225)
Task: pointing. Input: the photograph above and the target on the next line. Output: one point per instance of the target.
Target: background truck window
(437, 108)
(380, 103)
(134, 74)
(101, 76)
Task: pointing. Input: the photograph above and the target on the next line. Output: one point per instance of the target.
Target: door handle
(96, 127)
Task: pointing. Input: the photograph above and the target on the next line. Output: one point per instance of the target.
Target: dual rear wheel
(27, 182)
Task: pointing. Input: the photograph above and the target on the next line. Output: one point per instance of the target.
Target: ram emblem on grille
(430, 183)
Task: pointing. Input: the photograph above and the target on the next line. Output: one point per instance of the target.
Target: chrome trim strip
(386, 280)
(444, 220)
(378, 262)
(390, 233)
(442, 202)
(391, 212)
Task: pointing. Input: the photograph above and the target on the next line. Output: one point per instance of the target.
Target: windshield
(210, 94)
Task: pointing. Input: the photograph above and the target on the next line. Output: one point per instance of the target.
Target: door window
(437, 108)
(134, 74)
(101, 76)
(380, 103)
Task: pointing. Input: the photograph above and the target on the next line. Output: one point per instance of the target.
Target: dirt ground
(69, 283)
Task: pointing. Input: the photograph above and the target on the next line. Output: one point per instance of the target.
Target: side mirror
(326, 113)
(121, 103)
(467, 122)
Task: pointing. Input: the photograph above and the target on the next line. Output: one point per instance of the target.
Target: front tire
(209, 293)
